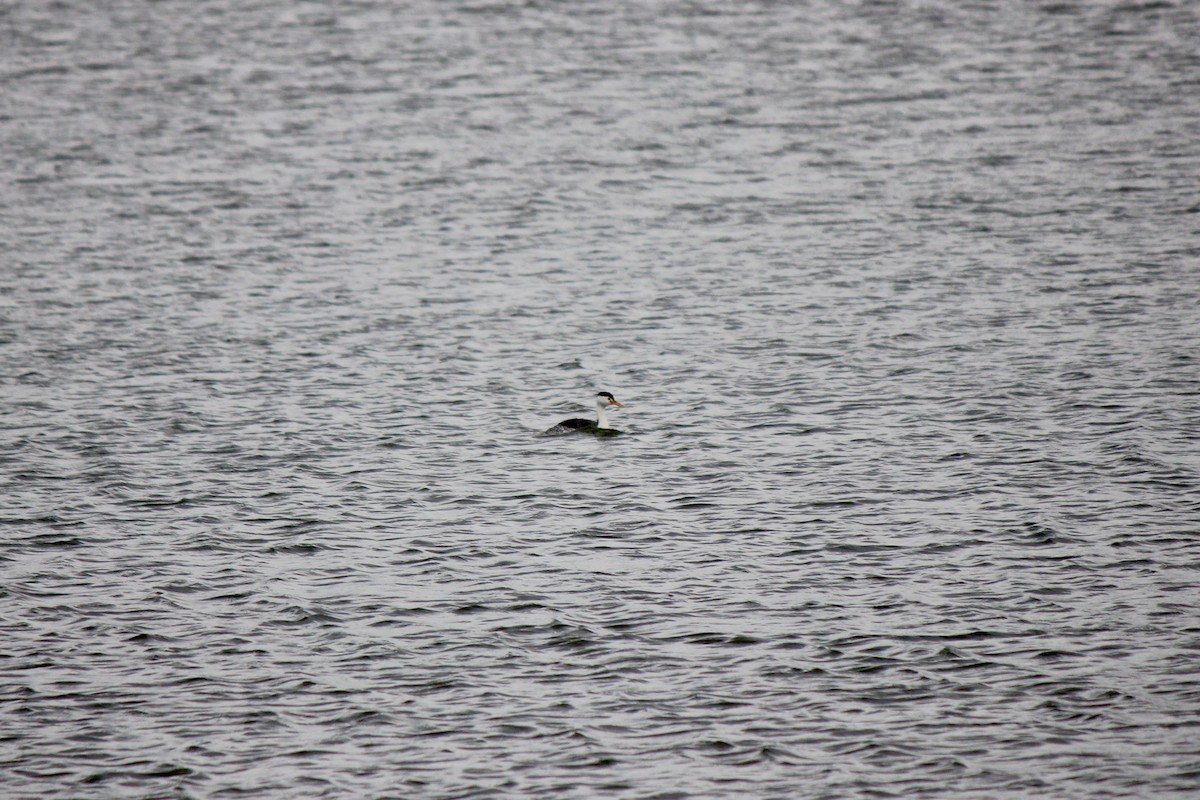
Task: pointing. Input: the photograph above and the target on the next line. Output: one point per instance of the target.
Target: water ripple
(900, 300)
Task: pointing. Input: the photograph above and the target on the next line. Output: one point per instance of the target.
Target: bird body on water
(597, 427)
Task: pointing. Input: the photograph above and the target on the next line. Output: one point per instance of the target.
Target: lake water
(902, 299)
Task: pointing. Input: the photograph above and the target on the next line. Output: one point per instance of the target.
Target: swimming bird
(597, 428)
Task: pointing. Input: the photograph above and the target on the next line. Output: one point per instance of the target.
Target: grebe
(597, 428)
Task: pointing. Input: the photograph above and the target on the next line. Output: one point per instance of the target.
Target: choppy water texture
(902, 299)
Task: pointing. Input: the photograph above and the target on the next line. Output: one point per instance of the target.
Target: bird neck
(601, 417)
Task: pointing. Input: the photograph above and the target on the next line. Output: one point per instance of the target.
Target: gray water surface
(903, 300)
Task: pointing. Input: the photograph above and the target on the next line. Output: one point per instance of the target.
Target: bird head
(606, 399)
